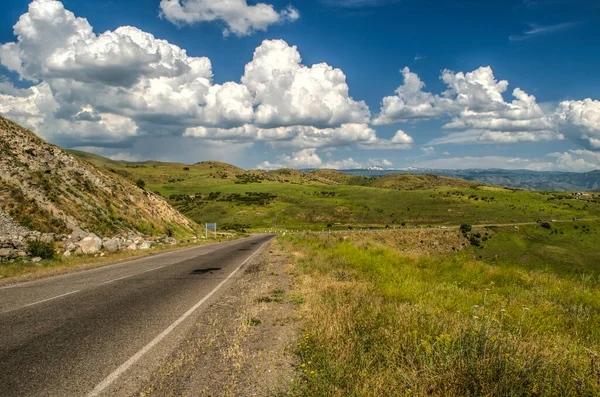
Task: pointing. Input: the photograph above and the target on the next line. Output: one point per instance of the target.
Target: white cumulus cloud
(239, 17)
(110, 88)
(289, 93)
(580, 121)
(474, 103)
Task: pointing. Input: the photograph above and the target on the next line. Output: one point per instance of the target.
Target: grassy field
(289, 199)
(427, 313)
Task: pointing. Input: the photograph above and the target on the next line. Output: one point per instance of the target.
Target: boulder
(146, 245)
(37, 259)
(132, 247)
(78, 234)
(6, 253)
(91, 244)
(67, 254)
(113, 245)
(70, 245)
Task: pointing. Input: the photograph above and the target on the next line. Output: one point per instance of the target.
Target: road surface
(101, 332)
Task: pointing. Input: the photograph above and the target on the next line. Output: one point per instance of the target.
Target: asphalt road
(103, 331)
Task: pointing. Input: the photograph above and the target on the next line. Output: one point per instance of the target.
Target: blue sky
(380, 83)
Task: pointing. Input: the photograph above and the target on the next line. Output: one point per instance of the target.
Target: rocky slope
(46, 191)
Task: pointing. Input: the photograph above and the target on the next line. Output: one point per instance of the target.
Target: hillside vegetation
(326, 199)
(425, 313)
(44, 188)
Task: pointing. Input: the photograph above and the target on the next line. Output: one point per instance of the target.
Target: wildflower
(475, 318)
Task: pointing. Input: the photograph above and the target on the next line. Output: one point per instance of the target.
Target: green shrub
(41, 249)
(140, 183)
(465, 228)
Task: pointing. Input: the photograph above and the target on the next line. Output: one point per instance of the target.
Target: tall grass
(382, 323)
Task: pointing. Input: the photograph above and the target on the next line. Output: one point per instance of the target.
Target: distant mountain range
(520, 179)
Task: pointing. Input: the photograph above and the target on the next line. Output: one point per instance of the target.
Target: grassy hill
(291, 199)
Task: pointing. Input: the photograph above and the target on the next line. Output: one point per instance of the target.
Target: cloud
(308, 158)
(428, 150)
(580, 121)
(474, 102)
(297, 136)
(537, 30)
(577, 160)
(469, 162)
(401, 140)
(240, 18)
(131, 81)
(289, 93)
(572, 161)
(409, 103)
(112, 88)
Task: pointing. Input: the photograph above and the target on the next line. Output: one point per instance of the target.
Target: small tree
(140, 183)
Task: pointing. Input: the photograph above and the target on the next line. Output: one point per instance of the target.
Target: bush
(465, 228)
(140, 183)
(186, 168)
(41, 249)
(545, 225)
(473, 240)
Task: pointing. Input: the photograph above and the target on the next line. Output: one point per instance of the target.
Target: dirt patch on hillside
(412, 242)
(243, 344)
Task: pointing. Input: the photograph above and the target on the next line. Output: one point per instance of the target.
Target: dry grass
(379, 322)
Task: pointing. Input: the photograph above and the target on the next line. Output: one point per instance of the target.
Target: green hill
(291, 199)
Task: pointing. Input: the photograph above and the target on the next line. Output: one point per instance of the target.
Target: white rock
(67, 254)
(69, 245)
(90, 244)
(146, 245)
(132, 247)
(79, 234)
(36, 259)
(112, 245)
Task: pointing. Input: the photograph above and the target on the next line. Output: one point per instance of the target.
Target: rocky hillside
(45, 189)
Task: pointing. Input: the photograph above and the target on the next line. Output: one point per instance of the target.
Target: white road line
(127, 364)
(131, 275)
(42, 301)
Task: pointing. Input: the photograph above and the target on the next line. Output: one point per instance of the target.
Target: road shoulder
(243, 343)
